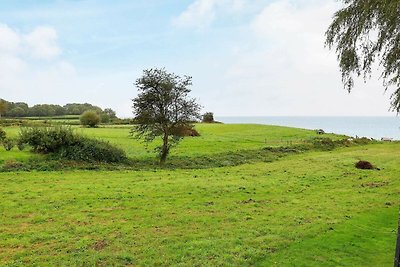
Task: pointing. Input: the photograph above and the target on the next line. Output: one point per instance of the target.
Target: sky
(246, 57)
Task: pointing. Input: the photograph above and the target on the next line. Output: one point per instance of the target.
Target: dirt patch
(364, 165)
(99, 245)
(247, 201)
(374, 184)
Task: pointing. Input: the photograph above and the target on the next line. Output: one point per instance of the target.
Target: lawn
(312, 209)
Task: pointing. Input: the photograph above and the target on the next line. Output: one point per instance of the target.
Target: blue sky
(247, 57)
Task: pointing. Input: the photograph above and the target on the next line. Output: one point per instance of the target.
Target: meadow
(305, 209)
(214, 139)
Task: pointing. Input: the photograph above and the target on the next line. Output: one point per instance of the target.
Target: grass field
(214, 139)
(310, 209)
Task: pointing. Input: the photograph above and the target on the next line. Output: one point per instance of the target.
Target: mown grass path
(302, 210)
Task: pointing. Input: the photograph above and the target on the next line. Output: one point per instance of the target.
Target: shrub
(20, 145)
(47, 140)
(323, 143)
(8, 144)
(2, 135)
(90, 118)
(86, 149)
(12, 165)
(208, 117)
(64, 144)
(104, 118)
(186, 131)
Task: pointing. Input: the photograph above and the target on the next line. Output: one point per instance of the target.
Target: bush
(21, 146)
(208, 117)
(90, 118)
(185, 131)
(64, 144)
(12, 165)
(47, 140)
(86, 149)
(323, 143)
(8, 144)
(105, 118)
(3, 135)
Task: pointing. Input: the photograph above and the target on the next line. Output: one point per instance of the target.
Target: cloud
(283, 68)
(42, 43)
(9, 40)
(24, 63)
(202, 13)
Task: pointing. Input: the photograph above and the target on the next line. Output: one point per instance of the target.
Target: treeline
(21, 109)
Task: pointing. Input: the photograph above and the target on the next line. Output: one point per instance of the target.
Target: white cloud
(19, 75)
(9, 40)
(32, 71)
(288, 71)
(201, 13)
(42, 43)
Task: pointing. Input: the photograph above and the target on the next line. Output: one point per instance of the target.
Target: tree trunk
(164, 149)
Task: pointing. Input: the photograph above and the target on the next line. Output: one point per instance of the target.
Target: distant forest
(21, 109)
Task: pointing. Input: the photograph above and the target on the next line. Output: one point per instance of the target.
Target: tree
(90, 118)
(162, 108)
(208, 117)
(104, 117)
(111, 113)
(3, 107)
(365, 31)
(16, 112)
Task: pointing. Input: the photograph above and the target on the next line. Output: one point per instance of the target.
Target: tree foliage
(163, 107)
(208, 117)
(21, 109)
(363, 32)
(3, 107)
(90, 118)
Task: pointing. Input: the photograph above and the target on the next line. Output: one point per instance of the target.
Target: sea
(371, 127)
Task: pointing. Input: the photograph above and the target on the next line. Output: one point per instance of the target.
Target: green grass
(313, 209)
(214, 139)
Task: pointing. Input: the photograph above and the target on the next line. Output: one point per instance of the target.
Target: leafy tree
(365, 31)
(208, 117)
(90, 118)
(111, 113)
(16, 112)
(3, 107)
(77, 109)
(104, 117)
(162, 108)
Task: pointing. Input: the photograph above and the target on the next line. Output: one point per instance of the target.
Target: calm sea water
(373, 127)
